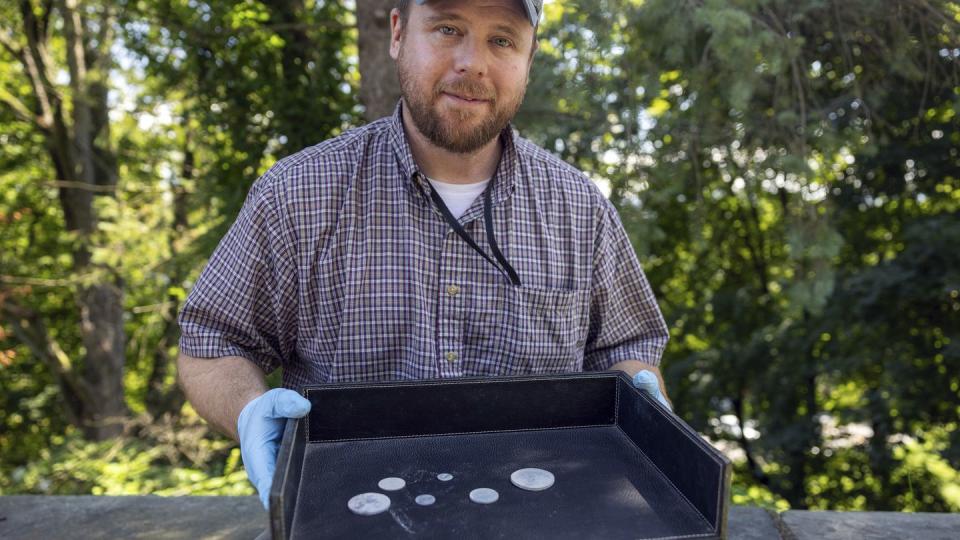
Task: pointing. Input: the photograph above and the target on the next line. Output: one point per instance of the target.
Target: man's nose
(471, 58)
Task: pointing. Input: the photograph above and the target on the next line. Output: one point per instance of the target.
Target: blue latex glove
(260, 426)
(647, 382)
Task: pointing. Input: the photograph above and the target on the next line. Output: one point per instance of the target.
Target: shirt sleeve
(245, 301)
(625, 320)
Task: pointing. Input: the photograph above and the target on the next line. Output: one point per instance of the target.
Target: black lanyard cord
(504, 266)
(492, 239)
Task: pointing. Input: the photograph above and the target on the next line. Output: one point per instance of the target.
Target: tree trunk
(379, 86)
(101, 303)
(101, 325)
(72, 124)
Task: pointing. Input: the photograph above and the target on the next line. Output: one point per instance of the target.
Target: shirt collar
(505, 176)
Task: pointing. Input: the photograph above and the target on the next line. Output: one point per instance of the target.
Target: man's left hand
(647, 382)
(647, 378)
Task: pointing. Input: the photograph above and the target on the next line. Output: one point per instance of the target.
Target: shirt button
(453, 290)
(452, 356)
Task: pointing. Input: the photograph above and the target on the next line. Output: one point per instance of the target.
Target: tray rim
(280, 527)
(726, 466)
(296, 432)
(615, 375)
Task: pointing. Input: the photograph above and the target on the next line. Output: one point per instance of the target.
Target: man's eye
(502, 42)
(447, 30)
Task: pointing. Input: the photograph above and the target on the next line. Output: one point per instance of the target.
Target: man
(432, 244)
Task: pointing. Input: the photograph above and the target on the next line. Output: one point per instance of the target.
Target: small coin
(532, 479)
(484, 496)
(444, 477)
(425, 500)
(392, 484)
(368, 504)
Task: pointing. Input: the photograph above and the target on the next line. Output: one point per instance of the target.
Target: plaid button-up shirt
(340, 268)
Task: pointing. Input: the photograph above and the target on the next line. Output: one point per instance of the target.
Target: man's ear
(396, 32)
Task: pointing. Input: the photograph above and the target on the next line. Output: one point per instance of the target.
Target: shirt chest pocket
(547, 332)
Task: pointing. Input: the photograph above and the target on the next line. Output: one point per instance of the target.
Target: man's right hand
(260, 427)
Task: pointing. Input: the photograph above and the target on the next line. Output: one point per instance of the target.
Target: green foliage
(161, 457)
(788, 172)
(205, 96)
(264, 79)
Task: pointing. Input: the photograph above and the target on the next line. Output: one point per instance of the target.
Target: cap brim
(527, 5)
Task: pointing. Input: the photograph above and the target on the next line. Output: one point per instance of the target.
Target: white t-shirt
(458, 197)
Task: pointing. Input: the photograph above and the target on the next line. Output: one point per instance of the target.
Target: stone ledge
(35, 517)
(814, 525)
(87, 516)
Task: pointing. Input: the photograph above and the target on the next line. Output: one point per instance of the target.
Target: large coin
(484, 496)
(532, 479)
(392, 484)
(368, 504)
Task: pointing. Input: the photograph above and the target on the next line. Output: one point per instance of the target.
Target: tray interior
(624, 466)
(604, 486)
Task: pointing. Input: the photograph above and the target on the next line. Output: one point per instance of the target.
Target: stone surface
(871, 525)
(36, 518)
(86, 516)
(750, 523)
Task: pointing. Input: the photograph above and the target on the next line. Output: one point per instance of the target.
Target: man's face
(463, 68)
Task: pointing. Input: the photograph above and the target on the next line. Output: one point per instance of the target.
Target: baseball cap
(533, 8)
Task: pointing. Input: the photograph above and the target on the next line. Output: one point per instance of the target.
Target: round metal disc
(425, 500)
(484, 496)
(392, 484)
(532, 479)
(444, 477)
(369, 504)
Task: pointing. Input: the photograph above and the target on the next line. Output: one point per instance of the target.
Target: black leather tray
(625, 467)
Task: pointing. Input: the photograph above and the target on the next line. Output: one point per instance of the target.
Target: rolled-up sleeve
(625, 320)
(245, 301)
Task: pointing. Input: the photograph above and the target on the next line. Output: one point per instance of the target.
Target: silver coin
(369, 504)
(444, 477)
(532, 479)
(392, 484)
(484, 496)
(425, 500)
